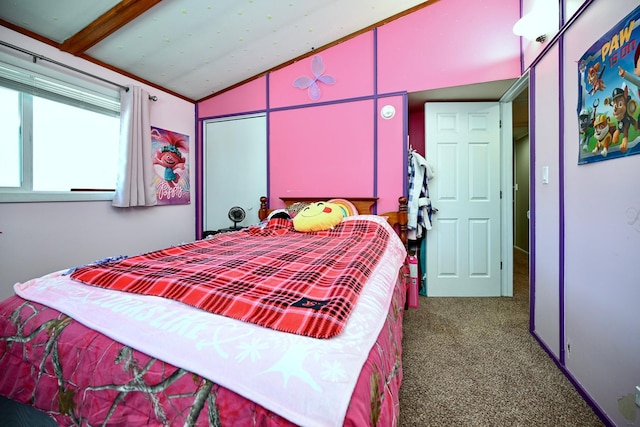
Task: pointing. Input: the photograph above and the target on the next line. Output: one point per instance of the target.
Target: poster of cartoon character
(609, 94)
(171, 166)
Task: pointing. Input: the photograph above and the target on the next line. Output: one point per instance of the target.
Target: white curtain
(135, 185)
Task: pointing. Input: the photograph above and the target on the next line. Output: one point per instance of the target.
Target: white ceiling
(194, 48)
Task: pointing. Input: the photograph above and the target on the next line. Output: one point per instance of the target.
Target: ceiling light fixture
(531, 27)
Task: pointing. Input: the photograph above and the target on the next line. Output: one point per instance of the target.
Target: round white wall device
(388, 111)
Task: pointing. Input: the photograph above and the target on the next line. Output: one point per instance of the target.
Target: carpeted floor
(472, 362)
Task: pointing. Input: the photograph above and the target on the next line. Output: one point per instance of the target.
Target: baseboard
(587, 398)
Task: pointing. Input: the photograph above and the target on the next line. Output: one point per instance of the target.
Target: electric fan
(236, 214)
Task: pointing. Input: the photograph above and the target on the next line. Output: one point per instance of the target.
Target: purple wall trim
(200, 140)
(375, 117)
(532, 200)
(561, 361)
(375, 61)
(375, 150)
(587, 398)
(561, 326)
(309, 105)
(522, 70)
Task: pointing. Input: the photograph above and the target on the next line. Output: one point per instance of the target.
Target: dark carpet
(473, 362)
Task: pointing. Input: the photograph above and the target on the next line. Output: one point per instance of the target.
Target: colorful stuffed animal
(348, 208)
(318, 216)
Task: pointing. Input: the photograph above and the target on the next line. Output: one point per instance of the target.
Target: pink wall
(449, 43)
(416, 131)
(310, 157)
(245, 98)
(338, 145)
(391, 155)
(351, 65)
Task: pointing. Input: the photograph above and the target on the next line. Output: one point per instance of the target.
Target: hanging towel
(419, 205)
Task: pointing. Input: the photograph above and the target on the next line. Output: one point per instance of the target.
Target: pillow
(279, 213)
(295, 208)
(317, 217)
(348, 208)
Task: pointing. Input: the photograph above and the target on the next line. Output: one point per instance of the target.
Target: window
(60, 141)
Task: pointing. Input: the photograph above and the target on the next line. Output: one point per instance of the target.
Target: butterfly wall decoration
(311, 83)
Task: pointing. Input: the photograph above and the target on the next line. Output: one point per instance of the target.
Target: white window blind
(36, 84)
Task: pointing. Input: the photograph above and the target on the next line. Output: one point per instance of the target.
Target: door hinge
(500, 265)
(501, 194)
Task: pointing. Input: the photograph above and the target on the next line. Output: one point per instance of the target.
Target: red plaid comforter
(303, 283)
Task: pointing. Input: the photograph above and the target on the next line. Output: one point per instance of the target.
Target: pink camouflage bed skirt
(64, 361)
(82, 378)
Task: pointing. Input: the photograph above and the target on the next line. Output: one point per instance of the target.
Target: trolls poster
(171, 166)
(609, 94)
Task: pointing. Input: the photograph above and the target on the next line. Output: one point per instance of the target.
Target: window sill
(55, 196)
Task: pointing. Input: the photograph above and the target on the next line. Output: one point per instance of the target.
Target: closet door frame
(234, 168)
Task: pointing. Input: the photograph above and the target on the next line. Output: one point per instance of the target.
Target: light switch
(545, 174)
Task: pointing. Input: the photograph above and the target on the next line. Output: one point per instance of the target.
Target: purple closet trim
(405, 144)
(268, 112)
(240, 113)
(199, 184)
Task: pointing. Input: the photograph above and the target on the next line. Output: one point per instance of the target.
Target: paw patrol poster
(609, 94)
(171, 166)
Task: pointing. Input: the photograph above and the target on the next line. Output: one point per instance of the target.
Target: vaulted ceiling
(196, 48)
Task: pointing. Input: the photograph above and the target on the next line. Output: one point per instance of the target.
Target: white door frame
(506, 227)
(458, 277)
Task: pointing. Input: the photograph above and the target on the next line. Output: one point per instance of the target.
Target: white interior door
(463, 248)
(235, 169)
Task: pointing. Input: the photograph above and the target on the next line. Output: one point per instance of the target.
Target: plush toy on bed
(318, 216)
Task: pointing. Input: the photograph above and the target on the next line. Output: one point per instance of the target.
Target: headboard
(363, 204)
(397, 219)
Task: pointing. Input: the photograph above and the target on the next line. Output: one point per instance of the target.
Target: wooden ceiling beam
(108, 23)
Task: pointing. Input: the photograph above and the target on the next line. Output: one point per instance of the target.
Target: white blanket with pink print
(305, 380)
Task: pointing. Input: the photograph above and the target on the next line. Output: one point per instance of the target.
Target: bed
(97, 353)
